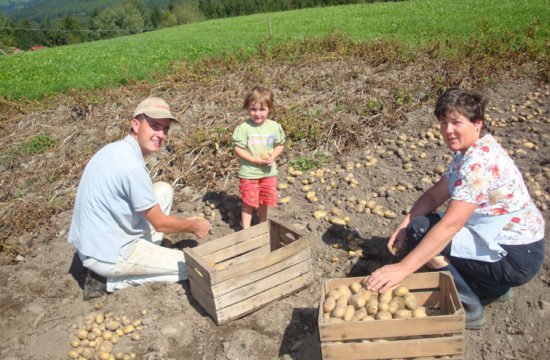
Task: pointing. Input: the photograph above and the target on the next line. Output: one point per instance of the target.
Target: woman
(491, 237)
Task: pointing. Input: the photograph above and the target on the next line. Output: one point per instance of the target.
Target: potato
(400, 291)
(410, 301)
(339, 311)
(128, 329)
(344, 290)
(326, 316)
(107, 335)
(419, 312)
(144, 312)
(82, 334)
(355, 287)
(383, 306)
(336, 320)
(385, 297)
(115, 338)
(359, 314)
(335, 293)
(366, 294)
(329, 304)
(403, 314)
(73, 354)
(99, 318)
(372, 307)
(87, 353)
(358, 300)
(393, 305)
(282, 186)
(102, 355)
(135, 336)
(112, 325)
(75, 342)
(106, 346)
(383, 315)
(368, 318)
(342, 300)
(348, 315)
(284, 200)
(319, 214)
(337, 221)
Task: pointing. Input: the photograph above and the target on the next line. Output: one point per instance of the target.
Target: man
(120, 216)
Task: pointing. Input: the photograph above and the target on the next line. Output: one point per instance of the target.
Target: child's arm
(245, 155)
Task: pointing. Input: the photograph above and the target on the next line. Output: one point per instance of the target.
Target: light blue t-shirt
(113, 191)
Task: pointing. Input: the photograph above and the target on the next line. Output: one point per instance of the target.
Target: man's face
(150, 133)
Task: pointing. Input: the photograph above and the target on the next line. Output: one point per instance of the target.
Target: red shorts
(255, 192)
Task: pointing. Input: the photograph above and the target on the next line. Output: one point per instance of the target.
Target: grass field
(146, 56)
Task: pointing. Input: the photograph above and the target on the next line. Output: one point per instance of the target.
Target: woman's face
(459, 132)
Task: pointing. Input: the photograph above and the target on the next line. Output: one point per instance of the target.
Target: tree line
(133, 16)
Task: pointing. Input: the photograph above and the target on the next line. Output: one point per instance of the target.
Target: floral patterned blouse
(486, 175)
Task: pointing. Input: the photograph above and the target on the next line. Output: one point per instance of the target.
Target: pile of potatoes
(356, 303)
(101, 332)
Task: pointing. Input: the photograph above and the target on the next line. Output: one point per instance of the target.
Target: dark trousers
(489, 280)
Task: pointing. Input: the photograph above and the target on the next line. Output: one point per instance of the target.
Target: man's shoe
(94, 286)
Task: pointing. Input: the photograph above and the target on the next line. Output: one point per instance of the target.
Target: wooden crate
(436, 335)
(260, 264)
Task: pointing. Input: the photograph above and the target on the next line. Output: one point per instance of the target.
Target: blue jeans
(489, 280)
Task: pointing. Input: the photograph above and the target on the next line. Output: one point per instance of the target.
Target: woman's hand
(396, 241)
(387, 277)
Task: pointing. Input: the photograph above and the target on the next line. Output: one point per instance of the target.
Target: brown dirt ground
(41, 299)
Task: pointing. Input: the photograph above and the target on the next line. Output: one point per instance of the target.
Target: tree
(7, 39)
(120, 19)
(187, 12)
(72, 30)
(26, 35)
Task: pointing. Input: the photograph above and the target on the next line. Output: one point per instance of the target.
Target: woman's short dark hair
(469, 104)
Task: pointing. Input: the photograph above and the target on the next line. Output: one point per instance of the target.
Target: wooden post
(269, 25)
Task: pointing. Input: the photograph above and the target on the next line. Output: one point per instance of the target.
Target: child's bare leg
(262, 213)
(246, 215)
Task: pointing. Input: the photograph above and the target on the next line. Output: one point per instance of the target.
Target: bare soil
(41, 297)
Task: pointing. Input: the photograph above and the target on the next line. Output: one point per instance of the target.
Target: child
(258, 142)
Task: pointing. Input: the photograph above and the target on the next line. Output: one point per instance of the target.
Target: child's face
(258, 113)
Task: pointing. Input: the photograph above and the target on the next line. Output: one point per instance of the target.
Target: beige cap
(155, 108)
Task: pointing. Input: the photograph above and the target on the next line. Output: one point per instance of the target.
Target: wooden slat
(194, 264)
(431, 325)
(232, 284)
(416, 281)
(231, 239)
(204, 299)
(273, 258)
(196, 280)
(251, 304)
(237, 249)
(445, 285)
(394, 349)
(454, 300)
(243, 293)
(248, 257)
(274, 235)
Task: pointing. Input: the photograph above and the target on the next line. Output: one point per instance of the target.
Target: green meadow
(148, 56)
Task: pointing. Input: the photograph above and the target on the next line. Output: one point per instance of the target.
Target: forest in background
(28, 24)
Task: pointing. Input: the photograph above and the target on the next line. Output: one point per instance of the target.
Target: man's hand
(199, 226)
